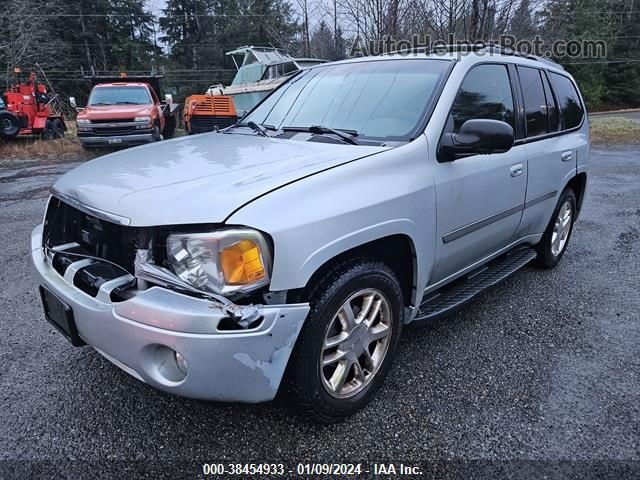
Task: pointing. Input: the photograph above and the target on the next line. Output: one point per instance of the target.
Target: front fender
(321, 216)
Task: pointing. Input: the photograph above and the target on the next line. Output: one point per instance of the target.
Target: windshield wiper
(128, 103)
(100, 103)
(343, 134)
(259, 128)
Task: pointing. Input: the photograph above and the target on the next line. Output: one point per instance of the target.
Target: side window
(552, 108)
(535, 102)
(485, 93)
(154, 97)
(569, 101)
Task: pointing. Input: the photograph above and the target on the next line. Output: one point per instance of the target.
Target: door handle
(516, 169)
(566, 156)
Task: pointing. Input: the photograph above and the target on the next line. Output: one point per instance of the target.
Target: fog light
(181, 363)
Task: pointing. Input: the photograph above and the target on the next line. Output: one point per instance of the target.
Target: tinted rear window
(535, 103)
(569, 101)
(552, 108)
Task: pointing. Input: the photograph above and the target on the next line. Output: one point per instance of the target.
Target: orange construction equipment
(26, 109)
(206, 113)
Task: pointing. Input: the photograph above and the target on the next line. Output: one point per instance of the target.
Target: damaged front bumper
(141, 335)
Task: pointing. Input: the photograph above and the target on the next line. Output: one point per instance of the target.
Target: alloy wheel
(355, 343)
(561, 228)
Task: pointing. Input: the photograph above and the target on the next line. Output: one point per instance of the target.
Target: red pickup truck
(125, 111)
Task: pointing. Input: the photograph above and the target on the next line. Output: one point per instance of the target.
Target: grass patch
(65, 149)
(614, 130)
(33, 147)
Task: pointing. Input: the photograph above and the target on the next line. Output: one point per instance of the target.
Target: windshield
(380, 100)
(119, 95)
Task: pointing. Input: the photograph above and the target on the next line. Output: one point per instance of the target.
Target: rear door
(479, 198)
(553, 116)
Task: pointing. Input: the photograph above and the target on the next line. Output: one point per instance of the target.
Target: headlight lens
(83, 121)
(142, 119)
(225, 261)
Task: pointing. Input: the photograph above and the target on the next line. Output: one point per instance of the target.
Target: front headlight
(142, 119)
(83, 121)
(225, 261)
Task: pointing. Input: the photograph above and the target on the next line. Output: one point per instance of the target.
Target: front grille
(111, 120)
(114, 130)
(65, 224)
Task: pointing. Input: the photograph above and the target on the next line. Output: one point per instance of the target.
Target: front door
(479, 198)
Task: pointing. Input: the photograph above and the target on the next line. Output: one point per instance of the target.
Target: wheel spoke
(378, 332)
(366, 306)
(347, 316)
(340, 375)
(368, 321)
(336, 340)
(333, 357)
(358, 372)
(369, 359)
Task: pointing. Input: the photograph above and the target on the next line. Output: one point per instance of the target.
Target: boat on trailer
(260, 71)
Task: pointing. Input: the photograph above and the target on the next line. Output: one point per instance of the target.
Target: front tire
(348, 342)
(9, 125)
(157, 136)
(556, 237)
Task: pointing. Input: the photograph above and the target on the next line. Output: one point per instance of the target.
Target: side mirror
(476, 137)
(168, 98)
(72, 101)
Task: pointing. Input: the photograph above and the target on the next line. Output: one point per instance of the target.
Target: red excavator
(26, 109)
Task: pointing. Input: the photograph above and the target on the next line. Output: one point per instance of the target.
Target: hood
(198, 179)
(115, 111)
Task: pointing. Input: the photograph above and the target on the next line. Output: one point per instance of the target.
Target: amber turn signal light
(241, 263)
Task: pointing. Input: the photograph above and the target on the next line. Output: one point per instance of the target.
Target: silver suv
(287, 251)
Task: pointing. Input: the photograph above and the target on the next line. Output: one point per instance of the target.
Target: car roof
(464, 57)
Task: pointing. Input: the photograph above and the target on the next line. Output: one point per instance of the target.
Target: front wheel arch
(396, 251)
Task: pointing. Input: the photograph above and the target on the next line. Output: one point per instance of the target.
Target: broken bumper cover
(230, 365)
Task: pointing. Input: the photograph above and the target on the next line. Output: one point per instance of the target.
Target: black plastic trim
(472, 227)
(540, 198)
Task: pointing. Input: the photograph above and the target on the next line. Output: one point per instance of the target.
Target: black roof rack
(476, 47)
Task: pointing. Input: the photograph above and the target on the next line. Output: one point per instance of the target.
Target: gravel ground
(538, 375)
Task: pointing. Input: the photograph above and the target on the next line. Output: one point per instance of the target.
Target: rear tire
(50, 131)
(58, 128)
(555, 239)
(9, 125)
(328, 383)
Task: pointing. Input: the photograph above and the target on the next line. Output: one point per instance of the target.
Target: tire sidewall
(58, 128)
(318, 321)
(48, 133)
